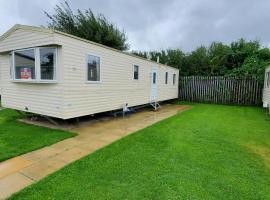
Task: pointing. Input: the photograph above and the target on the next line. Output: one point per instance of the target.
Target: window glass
(47, 63)
(154, 77)
(24, 64)
(136, 72)
(93, 68)
(166, 78)
(174, 77)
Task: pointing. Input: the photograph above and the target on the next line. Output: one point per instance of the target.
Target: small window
(47, 63)
(154, 77)
(93, 68)
(174, 78)
(166, 78)
(24, 64)
(268, 79)
(136, 72)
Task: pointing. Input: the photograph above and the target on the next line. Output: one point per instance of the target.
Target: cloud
(159, 24)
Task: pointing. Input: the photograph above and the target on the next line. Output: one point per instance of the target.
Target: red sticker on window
(26, 73)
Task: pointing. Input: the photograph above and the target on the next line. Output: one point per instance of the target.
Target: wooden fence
(223, 90)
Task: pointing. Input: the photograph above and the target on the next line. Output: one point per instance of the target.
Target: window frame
(133, 72)
(55, 67)
(86, 69)
(37, 66)
(166, 78)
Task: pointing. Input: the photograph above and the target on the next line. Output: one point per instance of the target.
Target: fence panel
(218, 89)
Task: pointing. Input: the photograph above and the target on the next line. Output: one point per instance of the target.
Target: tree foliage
(245, 59)
(88, 26)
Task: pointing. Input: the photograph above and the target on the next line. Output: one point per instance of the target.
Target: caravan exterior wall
(266, 90)
(72, 94)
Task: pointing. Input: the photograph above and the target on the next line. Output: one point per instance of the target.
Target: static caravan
(55, 74)
(266, 90)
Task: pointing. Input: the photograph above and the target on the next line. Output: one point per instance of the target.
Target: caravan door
(153, 90)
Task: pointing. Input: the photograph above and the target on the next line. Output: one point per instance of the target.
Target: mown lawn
(208, 152)
(17, 138)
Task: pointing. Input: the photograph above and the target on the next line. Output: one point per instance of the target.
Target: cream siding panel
(24, 39)
(1, 79)
(117, 85)
(266, 95)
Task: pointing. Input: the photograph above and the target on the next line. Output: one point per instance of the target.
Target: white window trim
(133, 71)
(37, 67)
(86, 69)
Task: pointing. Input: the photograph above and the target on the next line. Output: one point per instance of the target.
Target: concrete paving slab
(13, 183)
(37, 171)
(93, 145)
(13, 165)
(71, 155)
(41, 153)
(65, 144)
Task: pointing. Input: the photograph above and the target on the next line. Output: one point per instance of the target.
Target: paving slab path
(21, 171)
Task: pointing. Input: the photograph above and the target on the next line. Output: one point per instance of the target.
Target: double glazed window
(47, 63)
(25, 64)
(135, 72)
(93, 68)
(36, 64)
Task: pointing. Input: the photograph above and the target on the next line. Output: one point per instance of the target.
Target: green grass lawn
(17, 138)
(208, 152)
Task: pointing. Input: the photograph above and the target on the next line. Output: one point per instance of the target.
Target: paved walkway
(19, 172)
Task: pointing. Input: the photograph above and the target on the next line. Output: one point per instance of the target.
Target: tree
(218, 58)
(88, 26)
(244, 59)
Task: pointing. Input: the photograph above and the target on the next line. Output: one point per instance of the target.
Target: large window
(24, 64)
(166, 78)
(93, 68)
(35, 64)
(174, 78)
(135, 72)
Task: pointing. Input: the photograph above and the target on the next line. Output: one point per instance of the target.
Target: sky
(159, 24)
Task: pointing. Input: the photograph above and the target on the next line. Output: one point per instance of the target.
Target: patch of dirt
(47, 124)
(262, 151)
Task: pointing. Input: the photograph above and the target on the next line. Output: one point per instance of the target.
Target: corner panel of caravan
(266, 90)
(19, 88)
